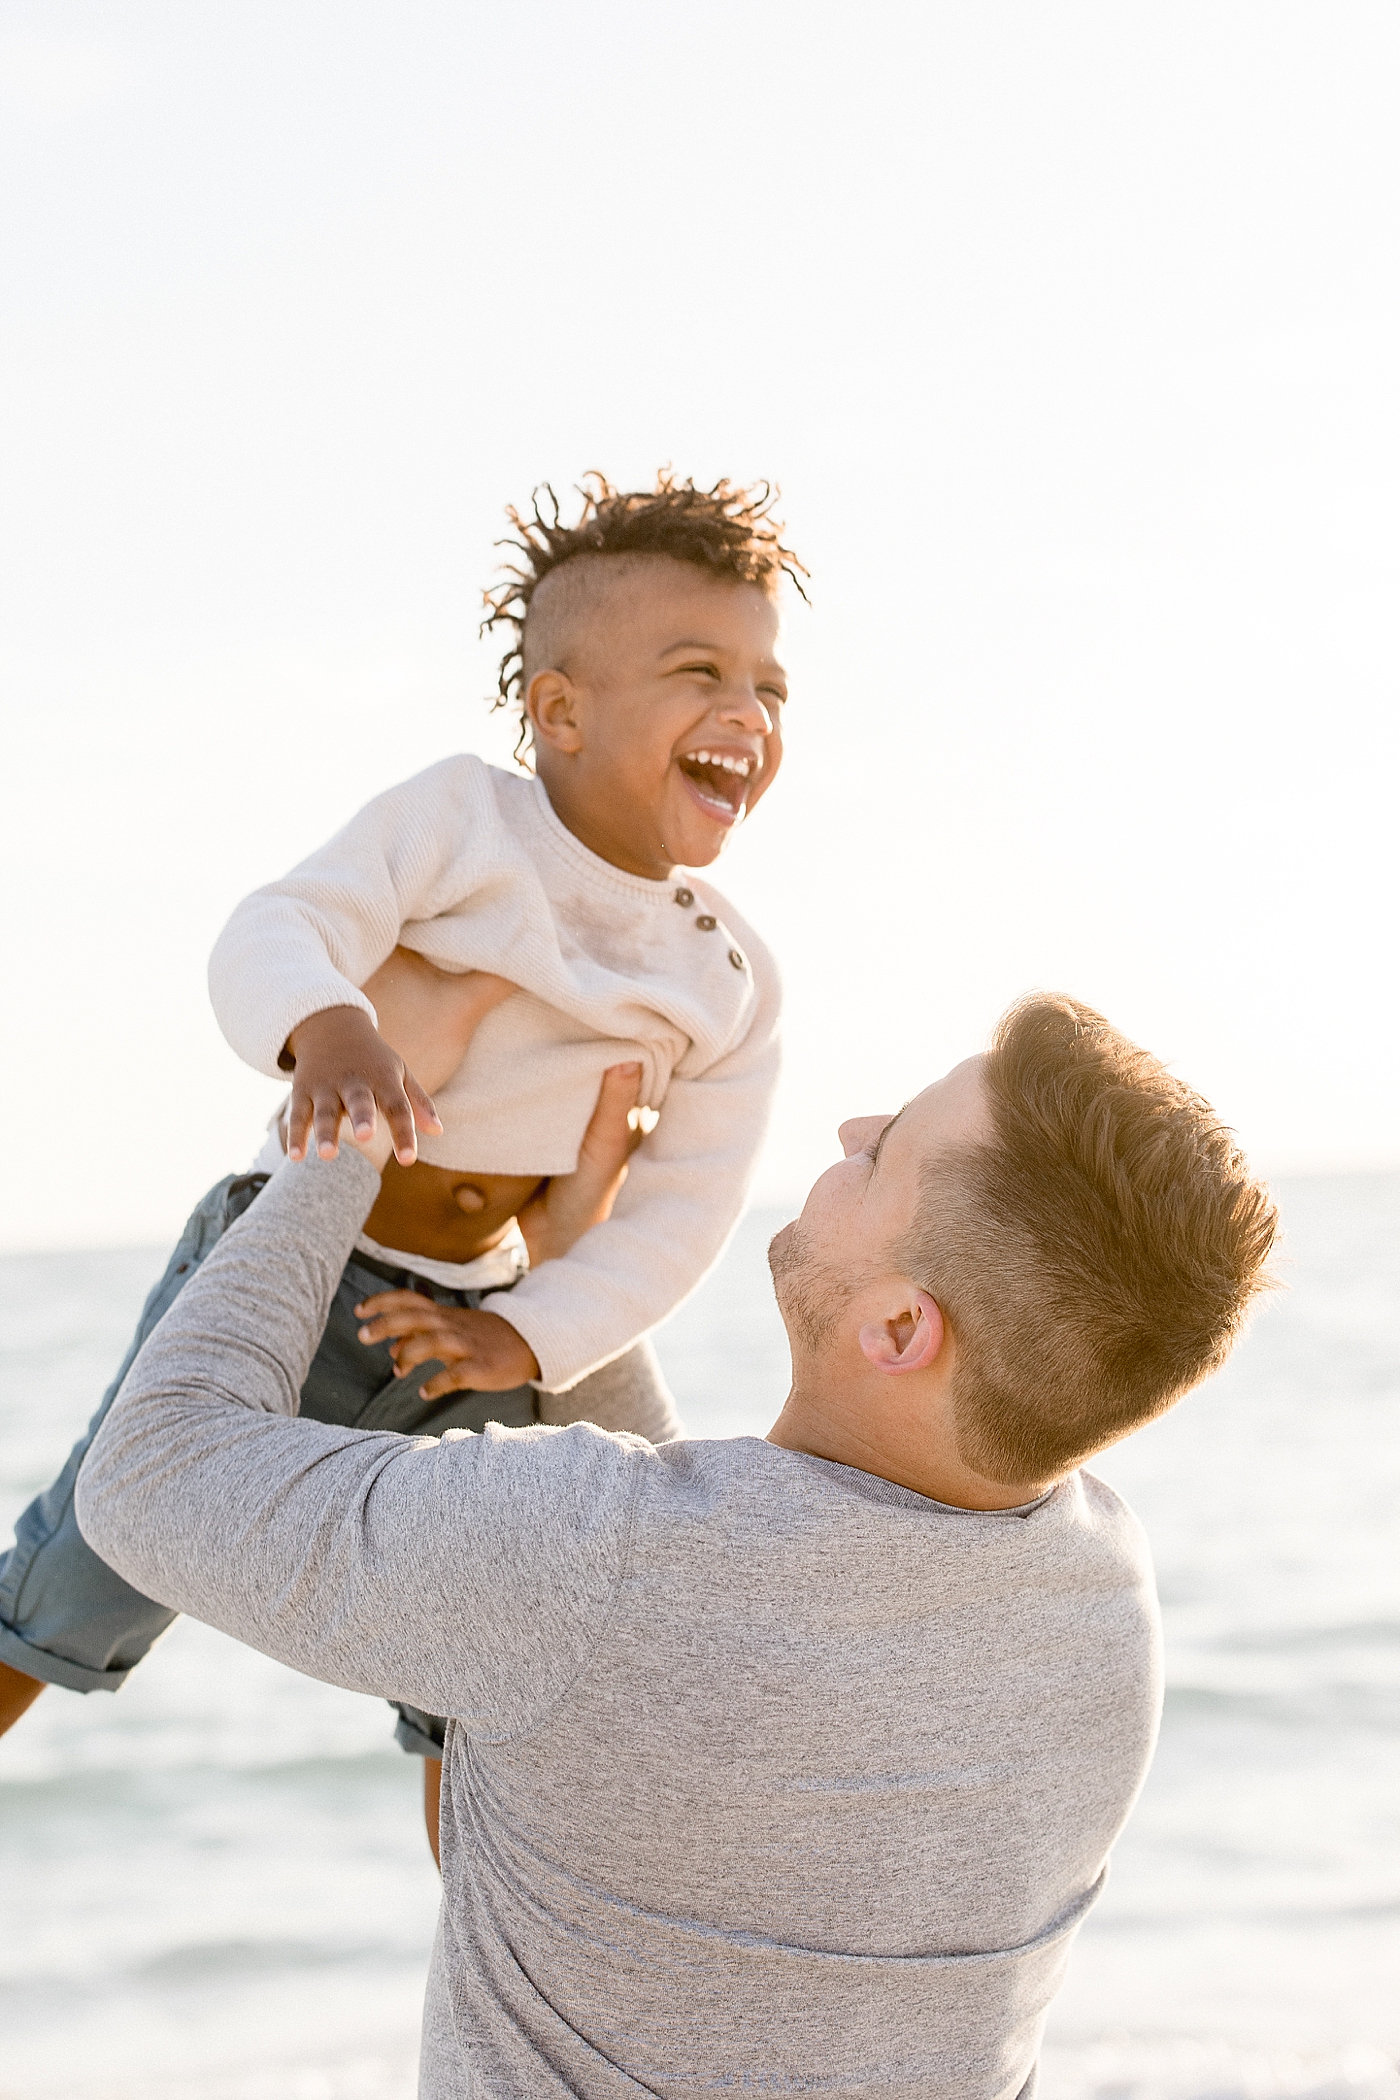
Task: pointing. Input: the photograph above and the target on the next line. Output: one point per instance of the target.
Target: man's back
(823, 1804)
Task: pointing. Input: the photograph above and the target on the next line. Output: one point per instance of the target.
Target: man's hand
(346, 1068)
(569, 1204)
(482, 1352)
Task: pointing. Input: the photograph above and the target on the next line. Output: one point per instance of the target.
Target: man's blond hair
(1097, 1259)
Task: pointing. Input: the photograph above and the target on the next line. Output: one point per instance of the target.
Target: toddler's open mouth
(719, 781)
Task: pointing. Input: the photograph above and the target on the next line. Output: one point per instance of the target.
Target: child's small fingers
(445, 1382)
(299, 1115)
(396, 1323)
(329, 1110)
(393, 1301)
(411, 1344)
(359, 1107)
(423, 1347)
(399, 1117)
(424, 1108)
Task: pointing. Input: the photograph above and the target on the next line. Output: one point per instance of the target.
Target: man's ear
(551, 705)
(909, 1340)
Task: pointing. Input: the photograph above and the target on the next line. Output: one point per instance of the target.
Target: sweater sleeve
(683, 1196)
(469, 1576)
(309, 941)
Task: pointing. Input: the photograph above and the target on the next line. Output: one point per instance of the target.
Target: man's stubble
(811, 1294)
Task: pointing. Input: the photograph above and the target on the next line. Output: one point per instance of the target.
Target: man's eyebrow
(880, 1140)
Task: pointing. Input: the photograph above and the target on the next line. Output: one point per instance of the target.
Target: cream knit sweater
(469, 866)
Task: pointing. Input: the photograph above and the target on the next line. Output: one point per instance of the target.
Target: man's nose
(860, 1132)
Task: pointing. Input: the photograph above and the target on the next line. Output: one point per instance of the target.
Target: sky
(1070, 333)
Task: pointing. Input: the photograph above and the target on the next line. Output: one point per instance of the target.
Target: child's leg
(65, 1616)
(432, 1804)
(17, 1695)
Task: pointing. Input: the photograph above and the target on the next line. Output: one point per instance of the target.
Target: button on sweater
(469, 866)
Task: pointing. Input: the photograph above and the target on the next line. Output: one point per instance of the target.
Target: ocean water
(216, 1886)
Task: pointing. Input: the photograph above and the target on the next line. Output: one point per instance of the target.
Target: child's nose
(743, 706)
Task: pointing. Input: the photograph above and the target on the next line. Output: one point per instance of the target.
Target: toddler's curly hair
(728, 530)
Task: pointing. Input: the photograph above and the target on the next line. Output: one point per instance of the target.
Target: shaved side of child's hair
(564, 572)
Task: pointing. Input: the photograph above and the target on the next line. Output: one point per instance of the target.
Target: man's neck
(913, 1448)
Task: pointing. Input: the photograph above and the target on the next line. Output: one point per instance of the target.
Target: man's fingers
(425, 1113)
(609, 1138)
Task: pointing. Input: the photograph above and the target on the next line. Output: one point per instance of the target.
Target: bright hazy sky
(1070, 333)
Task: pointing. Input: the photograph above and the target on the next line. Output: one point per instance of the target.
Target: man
(789, 1764)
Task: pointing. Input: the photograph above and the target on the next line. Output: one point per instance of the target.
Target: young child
(590, 972)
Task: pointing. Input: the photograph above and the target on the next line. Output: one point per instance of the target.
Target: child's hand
(482, 1352)
(347, 1067)
(344, 1068)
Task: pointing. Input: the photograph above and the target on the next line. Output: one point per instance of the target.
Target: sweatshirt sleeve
(683, 1196)
(469, 1576)
(309, 941)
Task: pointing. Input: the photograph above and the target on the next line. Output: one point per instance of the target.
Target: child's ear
(551, 705)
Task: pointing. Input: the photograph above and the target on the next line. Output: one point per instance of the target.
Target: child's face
(668, 726)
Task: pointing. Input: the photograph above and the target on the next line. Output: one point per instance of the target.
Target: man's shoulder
(565, 1493)
(1081, 1541)
(561, 1451)
(1109, 1526)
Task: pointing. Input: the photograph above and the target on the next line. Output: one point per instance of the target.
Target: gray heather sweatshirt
(760, 1773)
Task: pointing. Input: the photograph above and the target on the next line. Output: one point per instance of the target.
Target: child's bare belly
(445, 1213)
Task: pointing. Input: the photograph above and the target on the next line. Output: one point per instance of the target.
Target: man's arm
(467, 1576)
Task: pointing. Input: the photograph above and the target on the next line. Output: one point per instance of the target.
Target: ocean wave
(227, 1960)
(1329, 1706)
(358, 2077)
(1374, 1634)
(1127, 2068)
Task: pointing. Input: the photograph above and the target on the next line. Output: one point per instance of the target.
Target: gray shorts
(69, 1619)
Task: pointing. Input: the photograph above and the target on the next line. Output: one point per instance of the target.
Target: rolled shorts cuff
(414, 1732)
(56, 1669)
